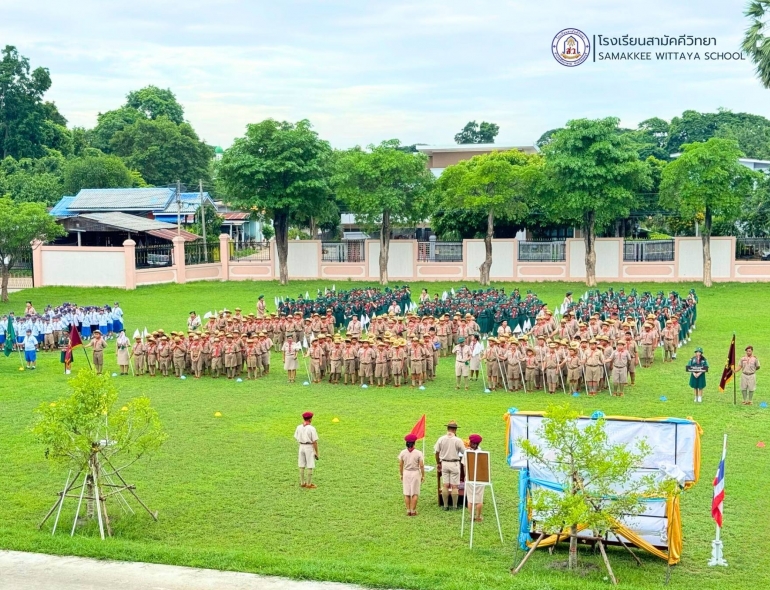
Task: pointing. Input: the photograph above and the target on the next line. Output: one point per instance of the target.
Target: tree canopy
(277, 169)
(478, 133)
(154, 102)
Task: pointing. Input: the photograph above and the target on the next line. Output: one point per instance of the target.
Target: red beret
(307, 415)
(475, 438)
(410, 438)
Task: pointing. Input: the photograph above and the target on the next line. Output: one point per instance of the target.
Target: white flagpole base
(716, 555)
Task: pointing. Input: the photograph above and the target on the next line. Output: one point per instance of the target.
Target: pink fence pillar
(37, 263)
(224, 255)
(129, 252)
(179, 262)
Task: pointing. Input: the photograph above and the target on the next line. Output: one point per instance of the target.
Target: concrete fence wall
(116, 267)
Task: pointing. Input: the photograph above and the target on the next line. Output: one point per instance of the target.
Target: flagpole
(717, 558)
(735, 394)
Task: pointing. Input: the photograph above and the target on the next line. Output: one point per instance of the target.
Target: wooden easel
(478, 472)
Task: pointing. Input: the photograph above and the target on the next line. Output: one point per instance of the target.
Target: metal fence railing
(347, 251)
(154, 256)
(249, 251)
(434, 251)
(21, 264)
(752, 249)
(553, 251)
(200, 252)
(648, 251)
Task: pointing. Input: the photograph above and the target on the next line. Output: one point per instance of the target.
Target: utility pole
(178, 208)
(203, 221)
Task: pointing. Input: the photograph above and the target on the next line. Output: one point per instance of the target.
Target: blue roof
(61, 209)
(188, 204)
(122, 199)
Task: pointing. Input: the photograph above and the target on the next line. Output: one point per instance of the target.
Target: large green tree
(478, 133)
(500, 184)
(277, 169)
(109, 123)
(593, 176)
(20, 224)
(707, 180)
(154, 102)
(97, 172)
(163, 151)
(22, 112)
(385, 187)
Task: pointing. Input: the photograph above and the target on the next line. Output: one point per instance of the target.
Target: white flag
(444, 296)
(304, 341)
(275, 300)
(334, 288)
(145, 333)
(453, 290)
(527, 325)
(137, 334)
(517, 329)
(307, 295)
(207, 315)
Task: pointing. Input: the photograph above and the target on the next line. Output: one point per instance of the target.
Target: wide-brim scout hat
(699, 349)
(452, 424)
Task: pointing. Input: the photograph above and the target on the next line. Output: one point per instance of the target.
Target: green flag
(10, 337)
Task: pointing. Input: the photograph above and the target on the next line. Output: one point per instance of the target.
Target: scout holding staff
(98, 344)
(748, 366)
(307, 437)
(411, 468)
(448, 451)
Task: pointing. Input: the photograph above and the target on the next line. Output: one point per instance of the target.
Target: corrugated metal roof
(127, 222)
(61, 209)
(122, 199)
(170, 234)
(235, 216)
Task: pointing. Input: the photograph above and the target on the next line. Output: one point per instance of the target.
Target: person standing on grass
(122, 352)
(474, 492)
(30, 350)
(463, 354)
(307, 437)
(748, 366)
(698, 366)
(290, 362)
(411, 467)
(98, 344)
(448, 450)
(261, 307)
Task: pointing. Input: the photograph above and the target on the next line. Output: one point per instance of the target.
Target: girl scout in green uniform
(698, 366)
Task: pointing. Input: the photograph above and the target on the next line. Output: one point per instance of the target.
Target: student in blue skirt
(30, 350)
(103, 321)
(117, 319)
(3, 327)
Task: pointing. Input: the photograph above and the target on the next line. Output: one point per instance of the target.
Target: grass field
(226, 487)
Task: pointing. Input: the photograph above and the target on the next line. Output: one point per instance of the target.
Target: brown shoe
(311, 486)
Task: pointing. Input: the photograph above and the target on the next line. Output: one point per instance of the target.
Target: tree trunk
(5, 271)
(281, 225)
(313, 228)
(706, 239)
(384, 247)
(589, 237)
(573, 547)
(487, 264)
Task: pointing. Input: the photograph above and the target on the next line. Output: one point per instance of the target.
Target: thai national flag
(717, 504)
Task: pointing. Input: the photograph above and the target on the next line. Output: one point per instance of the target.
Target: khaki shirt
(411, 460)
(449, 448)
(305, 434)
(748, 365)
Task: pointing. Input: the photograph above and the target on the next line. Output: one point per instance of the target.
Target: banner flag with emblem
(729, 371)
(10, 338)
(75, 341)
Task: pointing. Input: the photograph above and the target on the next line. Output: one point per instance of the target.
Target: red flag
(74, 341)
(419, 428)
(729, 371)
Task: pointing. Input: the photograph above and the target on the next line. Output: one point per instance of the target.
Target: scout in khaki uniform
(531, 367)
(416, 362)
(381, 364)
(335, 357)
(316, 355)
(252, 372)
(307, 437)
(366, 358)
(290, 361)
(620, 361)
(633, 354)
(216, 358)
(669, 336)
(748, 366)
(178, 352)
(164, 355)
(411, 467)
(448, 450)
(98, 344)
(648, 341)
(349, 362)
(152, 355)
(594, 362)
(574, 369)
(397, 362)
(552, 367)
(137, 353)
(474, 492)
(462, 354)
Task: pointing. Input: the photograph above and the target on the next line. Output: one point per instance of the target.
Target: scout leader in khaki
(448, 450)
(748, 366)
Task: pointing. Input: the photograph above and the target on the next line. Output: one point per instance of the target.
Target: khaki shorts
(306, 456)
(450, 472)
(461, 369)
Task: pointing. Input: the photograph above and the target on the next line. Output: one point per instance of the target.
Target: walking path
(34, 571)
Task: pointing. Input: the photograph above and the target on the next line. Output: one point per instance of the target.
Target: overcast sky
(366, 71)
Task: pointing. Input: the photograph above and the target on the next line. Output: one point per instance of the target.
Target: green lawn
(226, 487)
